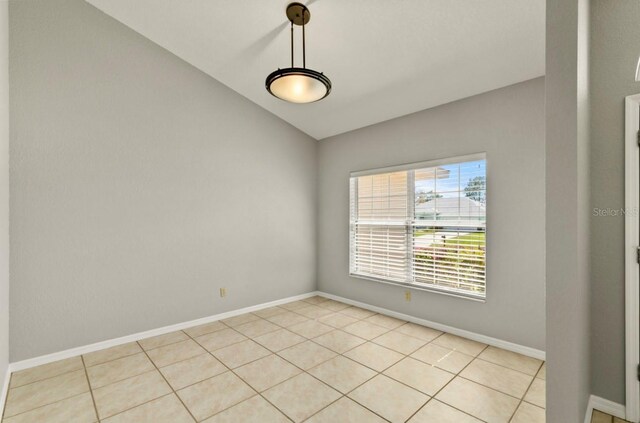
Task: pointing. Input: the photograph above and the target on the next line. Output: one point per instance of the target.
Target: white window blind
(422, 224)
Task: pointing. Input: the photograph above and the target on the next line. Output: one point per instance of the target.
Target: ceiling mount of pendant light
(298, 85)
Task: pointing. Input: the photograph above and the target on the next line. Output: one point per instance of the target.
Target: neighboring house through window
(422, 225)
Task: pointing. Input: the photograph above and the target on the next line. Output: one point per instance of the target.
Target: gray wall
(567, 193)
(509, 125)
(140, 186)
(615, 46)
(4, 188)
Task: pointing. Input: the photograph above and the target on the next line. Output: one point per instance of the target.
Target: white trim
(73, 352)
(632, 270)
(418, 165)
(5, 386)
(510, 346)
(609, 407)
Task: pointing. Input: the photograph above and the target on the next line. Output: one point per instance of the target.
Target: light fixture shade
(298, 85)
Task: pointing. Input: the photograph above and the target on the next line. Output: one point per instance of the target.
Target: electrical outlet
(223, 292)
(407, 295)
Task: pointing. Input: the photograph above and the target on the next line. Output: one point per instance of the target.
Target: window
(423, 225)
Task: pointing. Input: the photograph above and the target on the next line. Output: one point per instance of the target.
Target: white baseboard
(5, 386)
(604, 405)
(73, 352)
(521, 349)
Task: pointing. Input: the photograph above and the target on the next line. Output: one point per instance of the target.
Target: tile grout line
(46, 405)
(282, 327)
(93, 400)
(447, 384)
(143, 350)
(525, 394)
(235, 374)
(167, 382)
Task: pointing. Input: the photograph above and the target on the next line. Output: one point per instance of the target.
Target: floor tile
(240, 320)
(418, 375)
(279, 340)
(223, 338)
(307, 355)
(334, 305)
(364, 329)
(310, 328)
(266, 372)
(254, 410)
(339, 341)
(542, 373)
(345, 410)
(206, 398)
(357, 312)
(313, 312)
(268, 312)
(193, 370)
(119, 351)
(512, 360)
(287, 319)
(173, 353)
(120, 396)
(444, 358)
(116, 370)
(463, 345)
(337, 320)
(389, 399)
(294, 305)
(256, 328)
(162, 340)
(536, 393)
(44, 392)
(78, 409)
(500, 378)
(204, 329)
(342, 373)
(400, 342)
(316, 300)
(385, 321)
(374, 356)
(479, 401)
(437, 412)
(45, 371)
(241, 353)
(166, 409)
(286, 396)
(418, 331)
(599, 417)
(528, 413)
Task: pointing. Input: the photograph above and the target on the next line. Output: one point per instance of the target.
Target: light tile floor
(314, 360)
(600, 417)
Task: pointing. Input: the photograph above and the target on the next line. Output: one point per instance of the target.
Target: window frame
(411, 216)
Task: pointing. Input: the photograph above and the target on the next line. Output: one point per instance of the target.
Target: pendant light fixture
(298, 85)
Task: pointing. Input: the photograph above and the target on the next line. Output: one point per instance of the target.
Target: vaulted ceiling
(385, 58)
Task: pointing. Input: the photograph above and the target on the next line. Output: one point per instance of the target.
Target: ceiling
(385, 58)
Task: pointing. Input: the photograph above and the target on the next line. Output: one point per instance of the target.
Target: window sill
(471, 297)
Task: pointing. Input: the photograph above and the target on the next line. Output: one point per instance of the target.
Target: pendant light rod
(304, 53)
(291, 43)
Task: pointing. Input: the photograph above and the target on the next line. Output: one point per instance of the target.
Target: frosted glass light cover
(298, 89)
